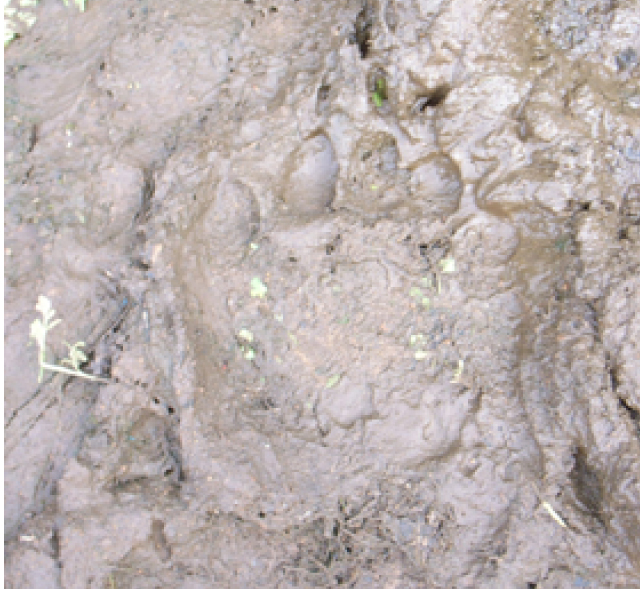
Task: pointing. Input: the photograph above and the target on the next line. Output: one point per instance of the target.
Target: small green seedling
(380, 93)
(81, 4)
(448, 265)
(457, 373)
(258, 288)
(246, 338)
(332, 381)
(39, 330)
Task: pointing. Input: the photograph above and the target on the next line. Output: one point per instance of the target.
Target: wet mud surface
(363, 279)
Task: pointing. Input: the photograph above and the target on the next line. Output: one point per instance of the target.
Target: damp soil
(362, 279)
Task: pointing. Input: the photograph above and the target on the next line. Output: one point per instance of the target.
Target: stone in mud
(230, 222)
(436, 186)
(311, 175)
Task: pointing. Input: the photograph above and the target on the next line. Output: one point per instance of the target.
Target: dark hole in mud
(634, 413)
(139, 264)
(148, 190)
(532, 585)
(627, 59)
(363, 26)
(273, 9)
(586, 484)
(433, 99)
(104, 368)
(613, 376)
(55, 543)
(323, 92)
(33, 139)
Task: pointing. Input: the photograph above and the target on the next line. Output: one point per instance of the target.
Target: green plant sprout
(39, 330)
(16, 19)
(380, 93)
(81, 4)
(457, 373)
(246, 338)
(258, 288)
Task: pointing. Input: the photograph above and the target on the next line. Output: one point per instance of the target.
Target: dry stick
(78, 373)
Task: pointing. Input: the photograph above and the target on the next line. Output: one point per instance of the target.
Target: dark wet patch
(587, 484)
(363, 28)
(632, 412)
(432, 99)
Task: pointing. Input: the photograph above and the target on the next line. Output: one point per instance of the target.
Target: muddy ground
(363, 279)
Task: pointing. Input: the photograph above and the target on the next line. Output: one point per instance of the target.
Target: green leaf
(427, 281)
(448, 265)
(76, 355)
(81, 4)
(377, 99)
(43, 305)
(38, 332)
(246, 335)
(332, 381)
(458, 371)
(258, 288)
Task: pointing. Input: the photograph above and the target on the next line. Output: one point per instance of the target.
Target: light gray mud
(364, 280)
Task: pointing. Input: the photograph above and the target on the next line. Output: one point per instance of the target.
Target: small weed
(39, 330)
(380, 93)
(258, 288)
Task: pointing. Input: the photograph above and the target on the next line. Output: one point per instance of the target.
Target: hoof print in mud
(227, 225)
(436, 185)
(151, 451)
(311, 174)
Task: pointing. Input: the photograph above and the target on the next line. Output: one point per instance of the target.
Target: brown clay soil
(362, 279)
